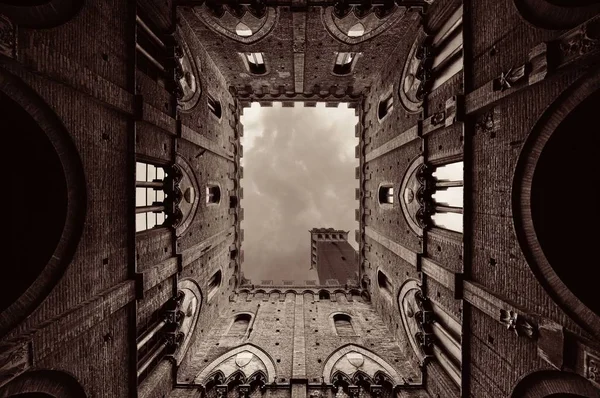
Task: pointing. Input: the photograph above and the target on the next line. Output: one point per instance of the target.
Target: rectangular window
(213, 194)
(149, 196)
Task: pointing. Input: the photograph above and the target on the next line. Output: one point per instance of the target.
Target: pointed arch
(335, 364)
(248, 358)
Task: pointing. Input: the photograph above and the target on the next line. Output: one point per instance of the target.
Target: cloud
(298, 174)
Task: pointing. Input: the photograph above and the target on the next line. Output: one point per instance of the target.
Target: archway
(47, 199)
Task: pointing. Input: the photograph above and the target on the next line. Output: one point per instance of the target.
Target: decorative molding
(591, 368)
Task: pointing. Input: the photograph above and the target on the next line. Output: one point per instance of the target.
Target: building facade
(333, 257)
(124, 277)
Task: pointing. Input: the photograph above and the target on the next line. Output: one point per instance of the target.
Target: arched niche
(563, 136)
(408, 307)
(40, 14)
(43, 383)
(352, 359)
(48, 200)
(247, 359)
(553, 383)
(557, 14)
(191, 306)
(189, 86)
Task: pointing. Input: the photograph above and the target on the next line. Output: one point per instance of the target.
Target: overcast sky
(298, 174)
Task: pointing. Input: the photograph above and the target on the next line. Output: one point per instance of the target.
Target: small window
(386, 106)
(240, 325)
(343, 325)
(324, 295)
(386, 194)
(448, 196)
(214, 105)
(384, 285)
(213, 194)
(149, 196)
(343, 63)
(243, 30)
(214, 283)
(256, 63)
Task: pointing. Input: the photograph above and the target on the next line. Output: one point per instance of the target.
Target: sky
(298, 174)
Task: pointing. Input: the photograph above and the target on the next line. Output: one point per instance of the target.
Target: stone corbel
(353, 391)
(221, 391)
(244, 390)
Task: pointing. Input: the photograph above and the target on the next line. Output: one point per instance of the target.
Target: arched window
(214, 283)
(386, 194)
(213, 194)
(324, 295)
(385, 107)
(343, 325)
(214, 105)
(344, 62)
(385, 286)
(149, 196)
(240, 325)
(448, 196)
(255, 63)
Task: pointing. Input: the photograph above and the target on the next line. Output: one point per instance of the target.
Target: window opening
(343, 63)
(386, 194)
(386, 106)
(214, 106)
(343, 325)
(448, 196)
(213, 194)
(256, 63)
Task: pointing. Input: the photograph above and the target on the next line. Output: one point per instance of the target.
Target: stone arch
(52, 383)
(227, 23)
(373, 25)
(333, 365)
(257, 358)
(548, 14)
(59, 222)
(188, 192)
(550, 383)
(570, 294)
(41, 14)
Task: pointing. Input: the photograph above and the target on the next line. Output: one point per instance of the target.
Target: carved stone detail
(591, 368)
(510, 77)
(517, 324)
(7, 37)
